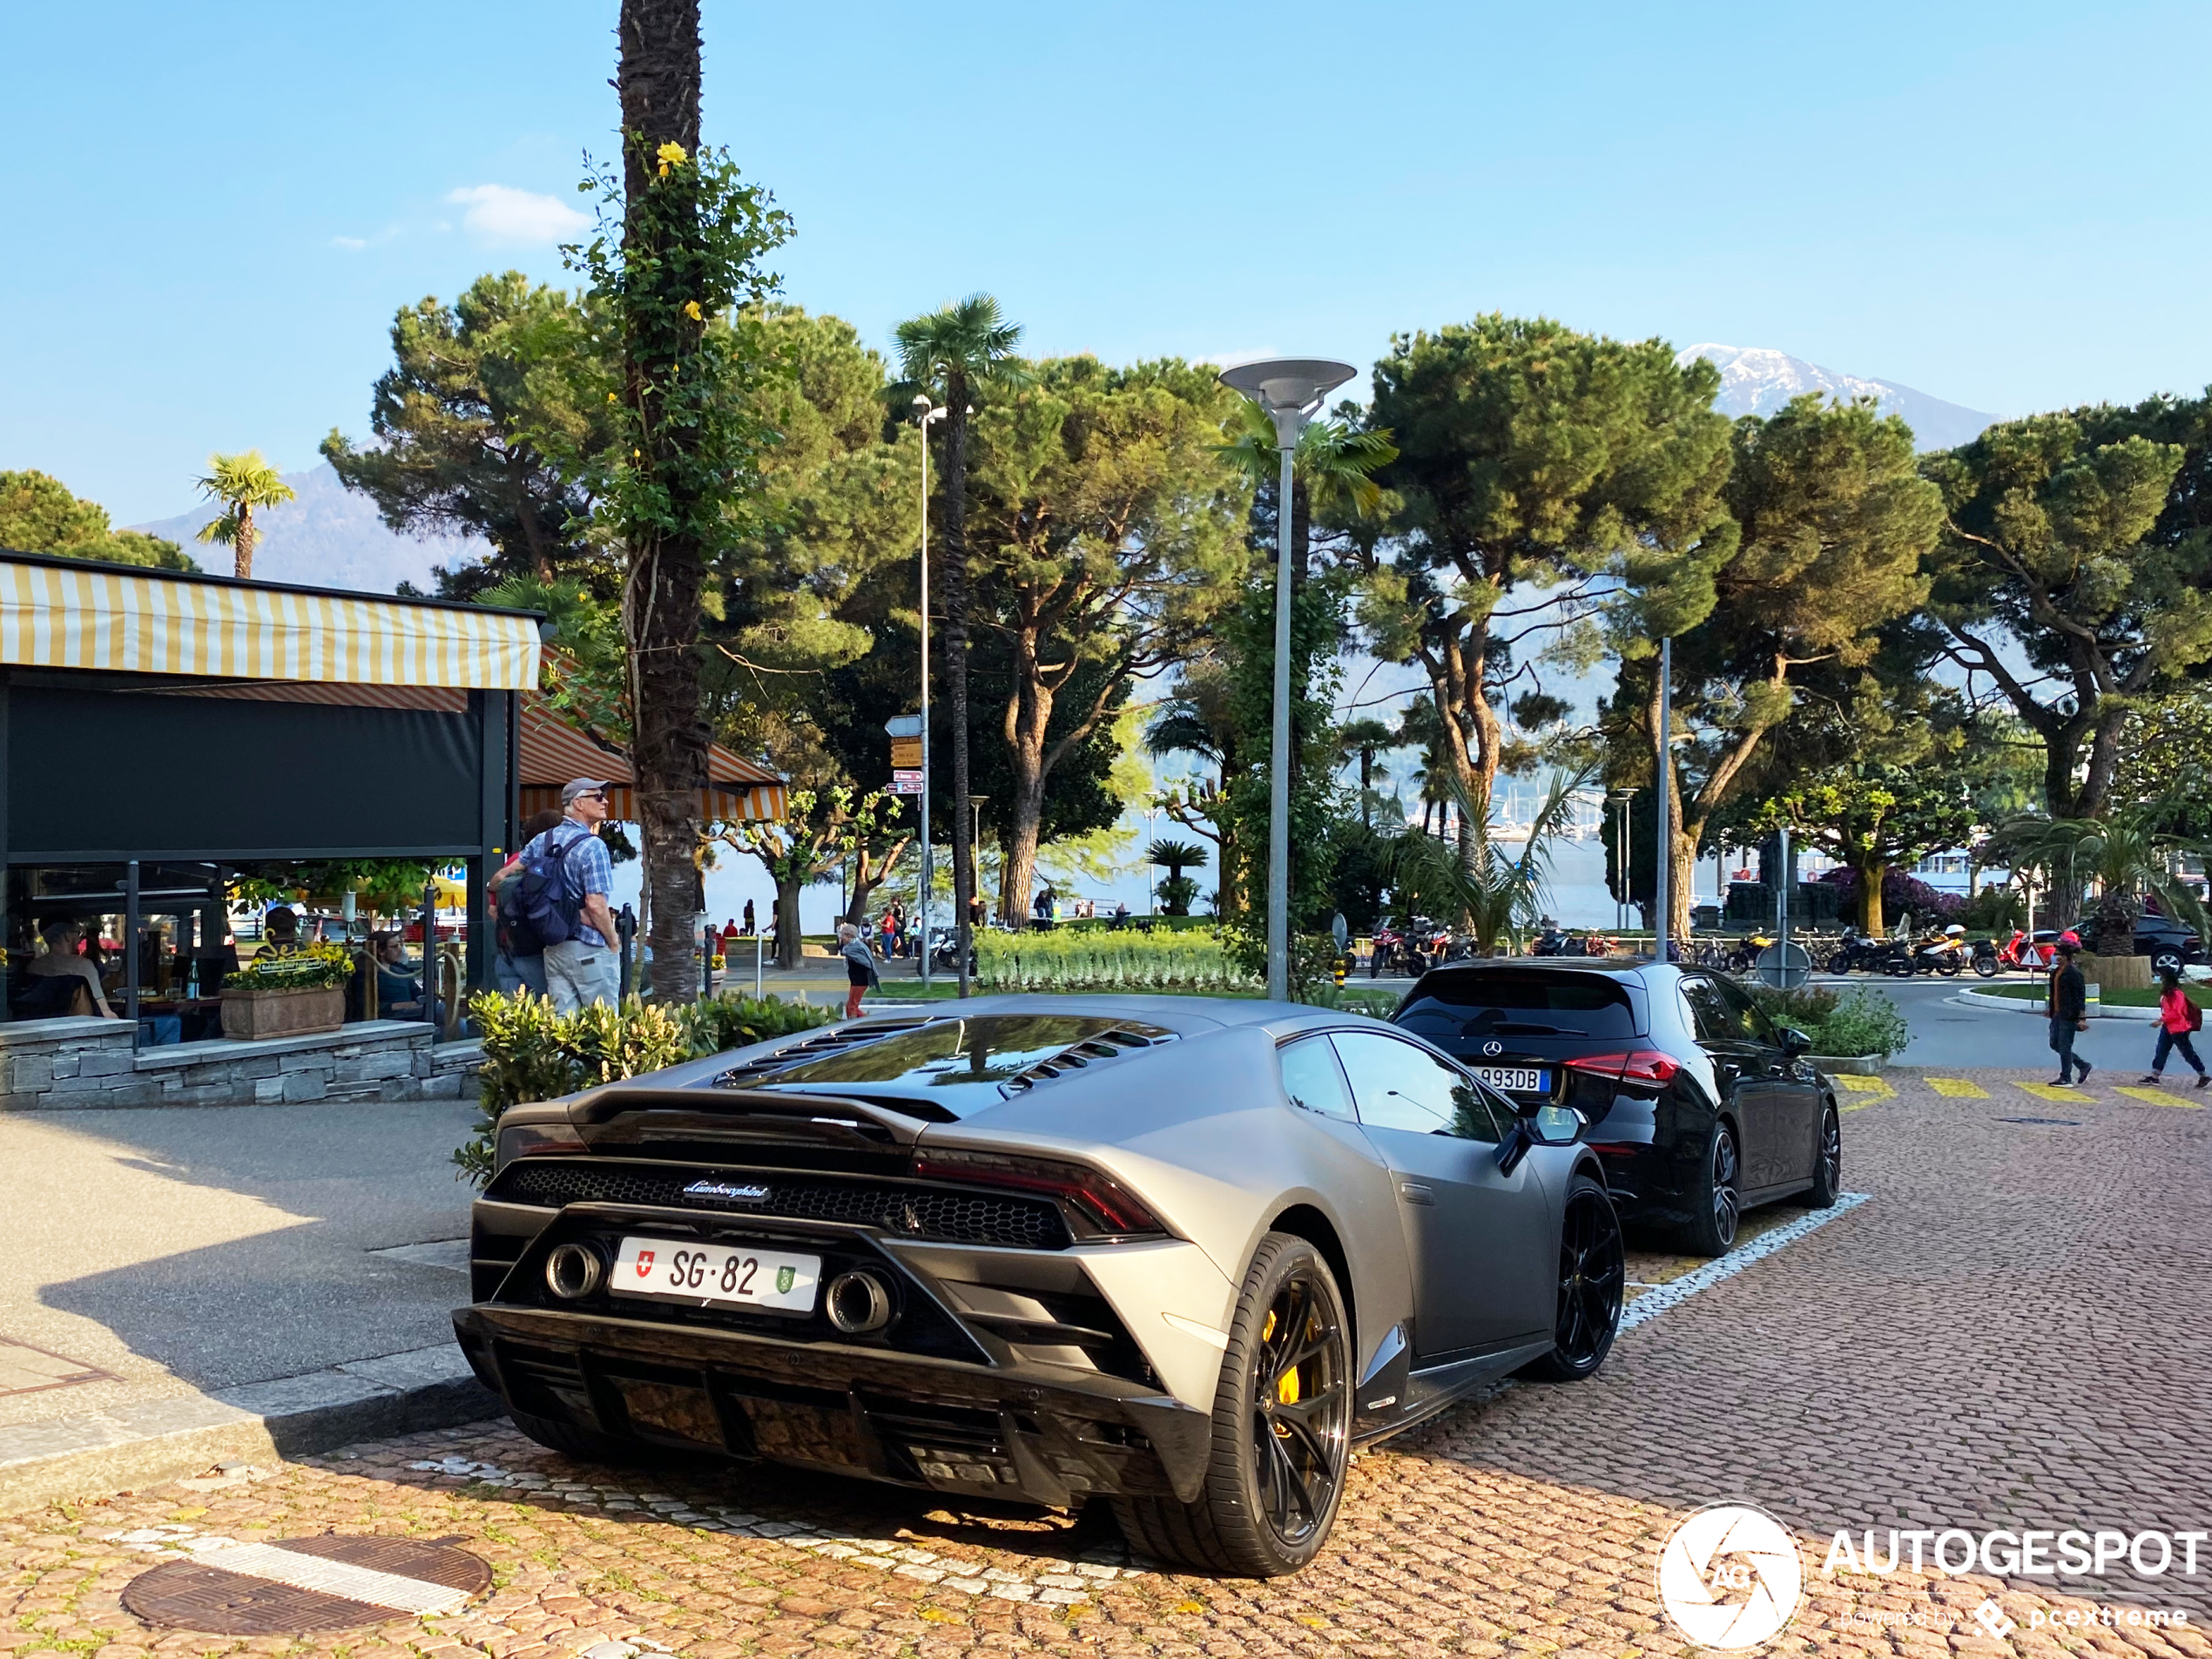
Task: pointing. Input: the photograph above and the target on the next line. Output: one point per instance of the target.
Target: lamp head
(1289, 389)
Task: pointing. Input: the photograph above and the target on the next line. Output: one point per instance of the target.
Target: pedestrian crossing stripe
(2156, 1097)
(2052, 1091)
(1957, 1087)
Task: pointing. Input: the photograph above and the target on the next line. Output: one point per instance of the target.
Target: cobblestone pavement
(2012, 1331)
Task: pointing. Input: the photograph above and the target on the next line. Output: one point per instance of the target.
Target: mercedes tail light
(1107, 1205)
(1647, 1065)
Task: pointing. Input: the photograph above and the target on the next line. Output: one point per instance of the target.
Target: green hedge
(532, 1053)
(1187, 959)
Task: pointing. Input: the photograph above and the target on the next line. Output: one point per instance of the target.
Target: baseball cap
(575, 786)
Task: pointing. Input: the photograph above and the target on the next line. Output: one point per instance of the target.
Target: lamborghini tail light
(1103, 1201)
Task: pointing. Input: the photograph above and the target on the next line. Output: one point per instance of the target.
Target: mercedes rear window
(1519, 1002)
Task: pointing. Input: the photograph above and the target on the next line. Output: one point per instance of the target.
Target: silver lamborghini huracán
(1182, 1254)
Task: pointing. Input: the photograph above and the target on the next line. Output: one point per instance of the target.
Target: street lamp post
(1151, 870)
(1622, 798)
(925, 415)
(1289, 391)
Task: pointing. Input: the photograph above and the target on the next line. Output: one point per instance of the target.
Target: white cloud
(351, 243)
(501, 214)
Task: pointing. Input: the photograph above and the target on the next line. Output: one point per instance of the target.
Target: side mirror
(1795, 1042)
(1550, 1125)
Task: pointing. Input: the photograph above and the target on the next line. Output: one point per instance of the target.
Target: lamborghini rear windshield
(951, 1056)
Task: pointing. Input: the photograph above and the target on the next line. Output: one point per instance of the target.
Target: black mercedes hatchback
(1699, 1105)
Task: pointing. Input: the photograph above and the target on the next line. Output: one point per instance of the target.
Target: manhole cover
(2055, 1123)
(300, 1584)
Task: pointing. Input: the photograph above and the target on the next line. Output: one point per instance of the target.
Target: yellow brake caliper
(1287, 1390)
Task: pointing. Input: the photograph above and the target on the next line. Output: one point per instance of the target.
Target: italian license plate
(1517, 1079)
(716, 1275)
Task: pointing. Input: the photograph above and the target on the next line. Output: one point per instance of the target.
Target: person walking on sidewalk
(2068, 1008)
(2178, 1016)
(860, 967)
(581, 970)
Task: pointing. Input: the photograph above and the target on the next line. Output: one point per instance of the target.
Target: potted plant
(289, 996)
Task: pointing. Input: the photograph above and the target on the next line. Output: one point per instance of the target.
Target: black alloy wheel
(1593, 1279)
(1720, 1200)
(1827, 1166)
(1840, 963)
(1282, 1429)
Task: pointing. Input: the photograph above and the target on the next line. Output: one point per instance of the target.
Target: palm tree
(240, 482)
(2130, 853)
(1498, 895)
(1175, 857)
(1364, 738)
(957, 353)
(1330, 469)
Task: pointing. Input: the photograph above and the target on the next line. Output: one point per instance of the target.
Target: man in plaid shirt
(582, 970)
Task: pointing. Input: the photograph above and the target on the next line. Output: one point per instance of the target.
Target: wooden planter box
(249, 1015)
(2117, 973)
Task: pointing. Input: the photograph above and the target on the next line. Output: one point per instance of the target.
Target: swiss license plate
(1517, 1079)
(716, 1275)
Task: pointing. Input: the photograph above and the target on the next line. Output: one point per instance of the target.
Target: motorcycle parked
(1944, 953)
(1745, 957)
(1858, 953)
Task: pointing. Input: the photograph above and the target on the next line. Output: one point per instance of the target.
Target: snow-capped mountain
(1756, 379)
(329, 537)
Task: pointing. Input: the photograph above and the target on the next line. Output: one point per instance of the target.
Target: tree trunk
(1872, 922)
(1029, 714)
(1682, 877)
(242, 548)
(658, 84)
(789, 944)
(868, 876)
(952, 584)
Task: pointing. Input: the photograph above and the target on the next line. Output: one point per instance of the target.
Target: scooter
(1745, 957)
(1945, 953)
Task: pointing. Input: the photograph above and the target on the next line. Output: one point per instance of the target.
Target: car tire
(1828, 1161)
(1274, 1479)
(1592, 1278)
(2165, 960)
(1719, 1196)
(588, 1445)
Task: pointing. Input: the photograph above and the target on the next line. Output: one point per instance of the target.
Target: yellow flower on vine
(691, 310)
(670, 154)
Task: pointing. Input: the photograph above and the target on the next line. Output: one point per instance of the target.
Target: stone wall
(61, 1064)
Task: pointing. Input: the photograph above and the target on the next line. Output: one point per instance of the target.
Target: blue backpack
(542, 910)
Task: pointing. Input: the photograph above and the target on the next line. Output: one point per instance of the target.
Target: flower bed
(1126, 960)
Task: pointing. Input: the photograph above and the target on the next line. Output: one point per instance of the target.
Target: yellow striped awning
(71, 613)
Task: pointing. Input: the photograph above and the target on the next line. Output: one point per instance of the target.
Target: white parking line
(1677, 1292)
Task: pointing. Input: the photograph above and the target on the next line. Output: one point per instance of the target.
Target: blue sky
(215, 208)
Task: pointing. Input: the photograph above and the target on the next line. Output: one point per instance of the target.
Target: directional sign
(906, 753)
(904, 725)
(904, 782)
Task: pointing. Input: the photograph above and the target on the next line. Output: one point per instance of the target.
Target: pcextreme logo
(1729, 1576)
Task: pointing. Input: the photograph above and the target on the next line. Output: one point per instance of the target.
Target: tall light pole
(1621, 797)
(1289, 391)
(925, 415)
(1151, 870)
